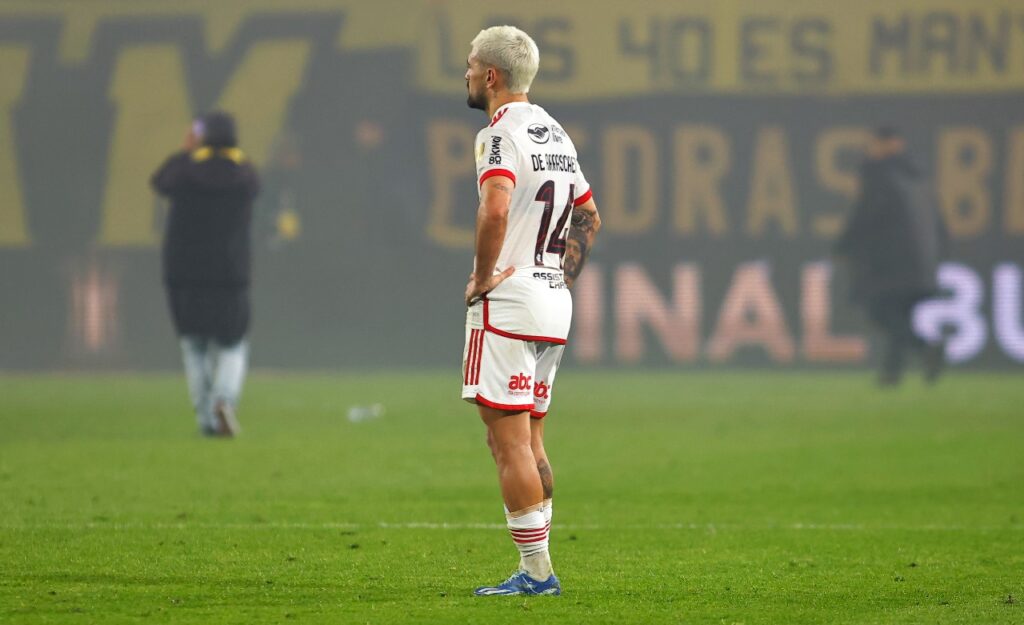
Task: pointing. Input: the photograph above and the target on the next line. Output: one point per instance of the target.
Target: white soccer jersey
(515, 334)
(528, 146)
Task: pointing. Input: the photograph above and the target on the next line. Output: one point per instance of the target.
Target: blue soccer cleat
(522, 584)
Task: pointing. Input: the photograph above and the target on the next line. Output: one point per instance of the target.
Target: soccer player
(533, 196)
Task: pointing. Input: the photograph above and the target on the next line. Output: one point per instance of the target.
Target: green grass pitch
(680, 498)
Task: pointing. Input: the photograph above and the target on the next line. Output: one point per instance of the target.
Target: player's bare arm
(582, 231)
(491, 221)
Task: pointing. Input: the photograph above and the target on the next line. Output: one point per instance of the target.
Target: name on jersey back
(554, 162)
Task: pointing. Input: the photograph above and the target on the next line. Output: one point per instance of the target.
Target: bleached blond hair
(512, 52)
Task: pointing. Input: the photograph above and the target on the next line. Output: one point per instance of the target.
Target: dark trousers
(893, 316)
(218, 313)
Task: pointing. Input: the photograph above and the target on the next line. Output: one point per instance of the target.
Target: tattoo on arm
(583, 229)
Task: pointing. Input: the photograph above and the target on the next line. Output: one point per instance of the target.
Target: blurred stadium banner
(722, 138)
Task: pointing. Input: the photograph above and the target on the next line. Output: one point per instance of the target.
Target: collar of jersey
(501, 108)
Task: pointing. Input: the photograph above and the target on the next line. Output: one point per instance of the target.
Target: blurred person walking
(891, 245)
(206, 264)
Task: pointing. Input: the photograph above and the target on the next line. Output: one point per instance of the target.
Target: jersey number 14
(556, 242)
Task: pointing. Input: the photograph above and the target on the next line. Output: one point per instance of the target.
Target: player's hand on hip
(476, 288)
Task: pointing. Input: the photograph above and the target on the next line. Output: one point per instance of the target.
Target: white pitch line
(426, 525)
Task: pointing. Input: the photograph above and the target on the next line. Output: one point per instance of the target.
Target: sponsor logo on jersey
(555, 280)
(557, 134)
(540, 390)
(539, 133)
(495, 157)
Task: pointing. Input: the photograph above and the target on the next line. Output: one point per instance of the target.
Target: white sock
(545, 507)
(530, 533)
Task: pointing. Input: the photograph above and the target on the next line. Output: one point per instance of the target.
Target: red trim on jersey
(538, 415)
(497, 116)
(510, 335)
(490, 173)
(492, 404)
(583, 198)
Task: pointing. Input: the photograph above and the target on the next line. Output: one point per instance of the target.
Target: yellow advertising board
(608, 49)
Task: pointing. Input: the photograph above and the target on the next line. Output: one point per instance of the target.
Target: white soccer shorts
(507, 373)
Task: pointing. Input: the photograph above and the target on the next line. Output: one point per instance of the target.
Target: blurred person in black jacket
(891, 244)
(206, 264)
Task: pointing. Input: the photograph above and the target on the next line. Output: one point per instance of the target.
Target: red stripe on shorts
(479, 356)
(469, 358)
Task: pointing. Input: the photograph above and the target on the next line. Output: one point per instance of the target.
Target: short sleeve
(496, 155)
(582, 187)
